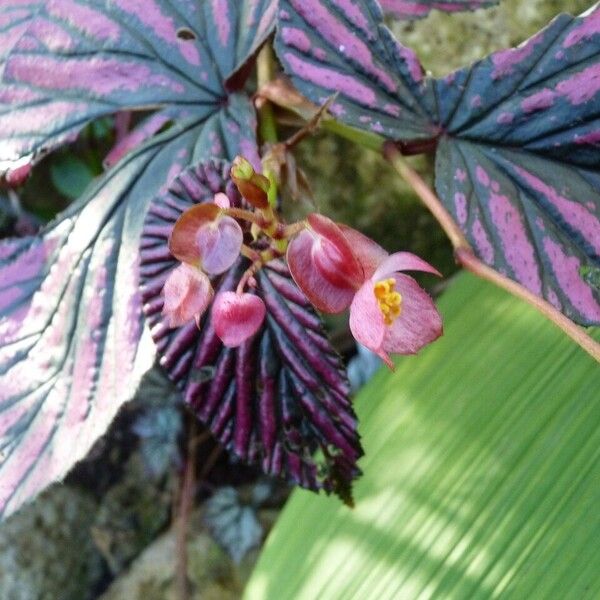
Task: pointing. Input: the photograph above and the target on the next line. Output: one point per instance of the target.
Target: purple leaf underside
(417, 9)
(517, 134)
(72, 348)
(81, 59)
(280, 397)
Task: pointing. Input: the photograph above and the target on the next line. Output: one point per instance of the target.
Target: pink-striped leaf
(341, 47)
(517, 135)
(519, 164)
(283, 394)
(15, 16)
(417, 9)
(81, 59)
(72, 348)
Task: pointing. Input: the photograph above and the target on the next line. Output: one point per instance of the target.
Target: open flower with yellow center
(338, 267)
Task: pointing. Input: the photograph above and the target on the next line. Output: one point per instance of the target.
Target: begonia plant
(180, 249)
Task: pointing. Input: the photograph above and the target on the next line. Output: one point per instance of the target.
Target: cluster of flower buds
(334, 265)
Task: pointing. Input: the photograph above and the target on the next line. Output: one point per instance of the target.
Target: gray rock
(46, 550)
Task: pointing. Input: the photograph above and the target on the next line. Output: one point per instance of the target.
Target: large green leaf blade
(482, 472)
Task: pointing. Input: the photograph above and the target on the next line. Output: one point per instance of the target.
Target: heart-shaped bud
(324, 266)
(187, 294)
(237, 317)
(253, 186)
(206, 238)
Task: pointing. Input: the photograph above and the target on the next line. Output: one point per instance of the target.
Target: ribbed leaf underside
(281, 396)
(481, 472)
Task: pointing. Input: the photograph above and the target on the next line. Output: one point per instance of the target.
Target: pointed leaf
(232, 523)
(341, 47)
(280, 396)
(481, 472)
(80, 59)
(517, 136)
(417, 9)
(519, 167)
(70, 311)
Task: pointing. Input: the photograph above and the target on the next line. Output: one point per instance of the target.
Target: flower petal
(366, 321)
(222, 200)
(187, 293)
(368, 253)
(183, 239)
(219, 244)
(237, 317)
(419, 323)
(322, 293)
(333, 254)
(403, 261)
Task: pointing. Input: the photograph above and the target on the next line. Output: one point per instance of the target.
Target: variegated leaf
(417, 9)
(341, 47)
(80, 59)
(517, 135)
(518, 164)
(71, 326)
(15, 16)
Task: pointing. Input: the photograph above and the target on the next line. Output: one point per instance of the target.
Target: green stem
(244, 215)
(366, 139)
(265, 67)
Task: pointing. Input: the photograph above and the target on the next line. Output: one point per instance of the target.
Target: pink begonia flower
(204, 237)
(237, 317)
(338, 267)
(207, 242)
(187, 293)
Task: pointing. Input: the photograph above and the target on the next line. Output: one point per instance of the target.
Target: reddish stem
(186, 501)
(466, 257)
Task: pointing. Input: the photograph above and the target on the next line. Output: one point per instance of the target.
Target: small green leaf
(70, 175)
(481, 472)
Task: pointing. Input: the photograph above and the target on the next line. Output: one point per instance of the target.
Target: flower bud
(187, 294)
(253, 186)
(206, 238)
(237, 317)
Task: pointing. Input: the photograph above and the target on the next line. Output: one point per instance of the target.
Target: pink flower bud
(253, 186)
(324, 266)
(237, 317)
(205, 237)
(187, 294)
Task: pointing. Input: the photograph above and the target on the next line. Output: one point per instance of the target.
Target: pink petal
(419, 323)
(183, 243)
(369, 253)
(322, 293)
(366, 321)
(237, 317)
(222, 200)
(402, 261)
(187, 294)
(219, 244)
(333, 254)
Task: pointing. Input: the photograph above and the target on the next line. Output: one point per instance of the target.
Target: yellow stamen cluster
(389, 300)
